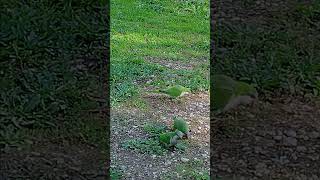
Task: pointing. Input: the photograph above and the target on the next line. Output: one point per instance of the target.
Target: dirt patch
(175, 64)
(275, 140)
(128, 123)
(50, 160)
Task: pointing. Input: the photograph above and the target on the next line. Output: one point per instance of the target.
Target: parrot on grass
(181, 127)
(174, 91)
(180, 131)
(229, 93)
(169, 139)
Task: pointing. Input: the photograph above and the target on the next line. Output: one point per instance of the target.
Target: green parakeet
(169, 139)
(181, 126)
(175, 91)
(228, 93)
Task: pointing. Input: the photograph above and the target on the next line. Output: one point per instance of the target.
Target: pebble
(261, 169)
(271, 133)
(242, 163)
(291, 133)
(290, 141)
(270, 143)
(314, 157)
(278, 138)
(246, 149)
(314, 135)
(301, 149)
(258, 150)
(306, 138)
(302, 177)
(184, 159)
(279, 133)
(294, 156)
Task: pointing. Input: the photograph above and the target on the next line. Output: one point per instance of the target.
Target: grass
(51, 55)
(283, 56)
(192, 169)
(170, 31)
(154, 129)
(149, 146)
(152, 145)
(115, 174)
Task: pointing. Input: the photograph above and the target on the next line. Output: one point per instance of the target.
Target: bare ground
(276, 140)
(128, 124)
(53, 160)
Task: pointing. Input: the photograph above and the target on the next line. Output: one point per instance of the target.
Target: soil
(58, 159)
(275, 140)
(127, 123)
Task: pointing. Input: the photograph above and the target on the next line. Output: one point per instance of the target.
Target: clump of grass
(149, 146)
(189, 170)
(115, 174)
(155, 129)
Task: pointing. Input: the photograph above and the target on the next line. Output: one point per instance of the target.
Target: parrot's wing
(221, 97)
(243, 88)
(168, 139)
(183, 89)
(176, 91)
(181, 125)
(223, 81)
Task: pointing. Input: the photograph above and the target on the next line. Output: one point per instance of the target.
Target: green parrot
(169, 139)
(181, 127)
(228, 93)
(175, 91)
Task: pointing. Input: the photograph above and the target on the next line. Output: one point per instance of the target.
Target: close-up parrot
(180, 125)
(228, 93)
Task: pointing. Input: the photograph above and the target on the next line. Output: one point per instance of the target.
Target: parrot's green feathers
(228, 93)
(181, 125)
(223, 90)
(246, 89)
(168, 139)
(175, 91)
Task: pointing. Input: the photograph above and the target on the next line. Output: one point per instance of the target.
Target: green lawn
(46, 49)
(283, 55)
(168, 31)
